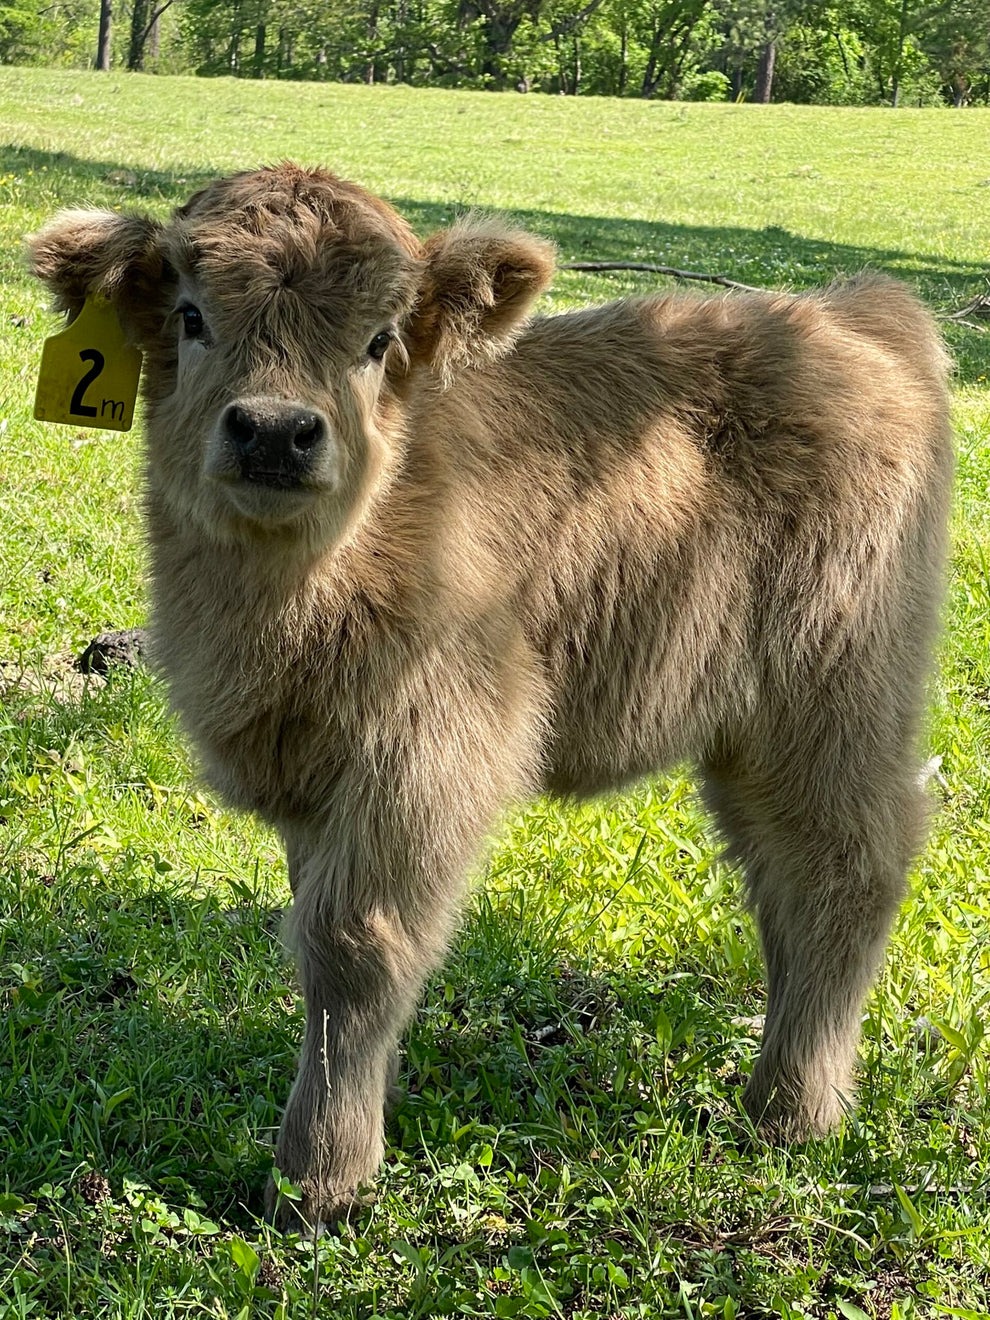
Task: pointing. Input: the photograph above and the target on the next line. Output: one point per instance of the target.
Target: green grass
(570, 1142)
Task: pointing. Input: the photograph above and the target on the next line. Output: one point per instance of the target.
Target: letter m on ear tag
(89, 373)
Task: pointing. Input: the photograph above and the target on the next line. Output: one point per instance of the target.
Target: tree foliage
(823, 51)
(59, 32)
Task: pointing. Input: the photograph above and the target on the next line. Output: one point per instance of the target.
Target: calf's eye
(379, 345)
(192, 321)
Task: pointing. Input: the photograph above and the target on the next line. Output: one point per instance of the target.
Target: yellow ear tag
(89, 373)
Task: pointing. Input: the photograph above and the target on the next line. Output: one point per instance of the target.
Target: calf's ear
(81, 253)
(480, 280)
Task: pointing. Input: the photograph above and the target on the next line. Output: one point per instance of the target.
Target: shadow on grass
(84, 182)
(158, 1079)
(153, 1038)
(783, 256)
(152, 1025)
(771, 257)
(151, 1032)
(122, 1053)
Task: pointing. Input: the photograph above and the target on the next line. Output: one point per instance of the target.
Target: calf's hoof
(788, 1113)
(315, 1212)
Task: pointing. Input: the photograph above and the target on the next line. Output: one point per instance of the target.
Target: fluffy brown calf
(415, 558)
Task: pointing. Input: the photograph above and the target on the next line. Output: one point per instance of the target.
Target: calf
(416, 557)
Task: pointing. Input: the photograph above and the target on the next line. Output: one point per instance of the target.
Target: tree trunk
(369, 73)
(259, 50)
(650, 79)
(139, 22)
(497, 35)
(895, 89)
(764, 74)
(234, 49)
(286, 50)
(399, 55)
(103, 40)
(154, 43)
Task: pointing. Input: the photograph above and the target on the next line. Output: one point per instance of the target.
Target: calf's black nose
(272, 432)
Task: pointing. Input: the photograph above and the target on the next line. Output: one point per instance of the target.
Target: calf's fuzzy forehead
(287, 245)
(256, 198)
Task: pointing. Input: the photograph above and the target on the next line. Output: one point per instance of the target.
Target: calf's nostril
(241, 429)
(308, 430)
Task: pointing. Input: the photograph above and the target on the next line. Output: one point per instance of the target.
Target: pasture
(570, 1142)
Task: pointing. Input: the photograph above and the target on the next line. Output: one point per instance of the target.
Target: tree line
(856, 52)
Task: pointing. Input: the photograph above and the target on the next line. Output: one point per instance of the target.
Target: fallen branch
(978, 306)
(660, 270)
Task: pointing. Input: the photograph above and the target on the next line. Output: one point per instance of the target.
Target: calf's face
(284, 315)
(274, 403)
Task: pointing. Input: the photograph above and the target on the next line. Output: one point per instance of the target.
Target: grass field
(568, 1145)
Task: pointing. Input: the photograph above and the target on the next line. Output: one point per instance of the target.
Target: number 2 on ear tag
(89, 373)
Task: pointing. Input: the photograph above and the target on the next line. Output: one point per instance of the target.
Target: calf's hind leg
(825, 848)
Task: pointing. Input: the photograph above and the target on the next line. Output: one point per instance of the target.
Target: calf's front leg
(362, 959)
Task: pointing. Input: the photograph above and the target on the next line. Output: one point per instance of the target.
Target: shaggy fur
(415, 558)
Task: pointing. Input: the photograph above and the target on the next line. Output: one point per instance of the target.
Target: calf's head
(286, 316)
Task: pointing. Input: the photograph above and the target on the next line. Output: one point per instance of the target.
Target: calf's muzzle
(274, 442)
